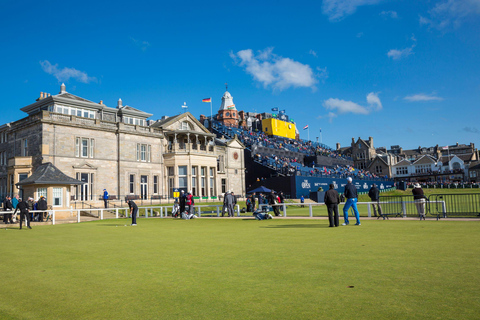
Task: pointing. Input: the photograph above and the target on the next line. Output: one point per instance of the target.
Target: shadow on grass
(287, 226)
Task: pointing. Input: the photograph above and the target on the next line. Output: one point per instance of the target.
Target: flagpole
(211, 113)
(308, 132)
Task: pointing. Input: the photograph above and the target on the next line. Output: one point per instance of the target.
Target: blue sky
(404, 72)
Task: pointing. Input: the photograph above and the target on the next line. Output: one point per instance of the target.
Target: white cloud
(275, 71)
(140, 43)
(396, 54)
(342, 106)
(389, 14)
(423, 97)
(448, 13)
(336, 10)
(313, 53)
(65, 74)
(374, 100)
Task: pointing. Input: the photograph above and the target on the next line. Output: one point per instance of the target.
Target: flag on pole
(445, 148)
(306, 127)
(274, 109)
(282, 111)
(207, 100)
(320, 130)
(231, 107)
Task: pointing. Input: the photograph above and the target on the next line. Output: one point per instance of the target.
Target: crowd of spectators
(251, 138)
(292, 166)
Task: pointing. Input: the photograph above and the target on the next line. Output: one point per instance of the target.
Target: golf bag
(175, 210)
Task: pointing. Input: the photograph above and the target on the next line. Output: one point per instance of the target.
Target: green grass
(241, 269)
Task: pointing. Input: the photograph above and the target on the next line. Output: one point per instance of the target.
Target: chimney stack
(101, 101)
(63, 88)
(41, 95)
(119, 103)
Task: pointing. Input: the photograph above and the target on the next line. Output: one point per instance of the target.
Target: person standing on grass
(302, 201)
(332, 199)
(352, 198)
(22, 206)
(230, 202)
(272, 200)
(190, 202)
(105, 198)
(42, 205)
(419, 199)
(7, 206)
(15, 201)
(182, 202)
(133, 211)
(374, 195)
(254, 205)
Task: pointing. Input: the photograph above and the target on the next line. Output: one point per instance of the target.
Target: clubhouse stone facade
(116, 149)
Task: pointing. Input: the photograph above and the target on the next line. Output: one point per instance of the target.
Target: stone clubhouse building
(117, 149)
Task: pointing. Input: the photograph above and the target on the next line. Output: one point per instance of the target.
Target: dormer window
(184, 125)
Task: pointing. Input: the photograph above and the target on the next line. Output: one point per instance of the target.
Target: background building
(117, 149)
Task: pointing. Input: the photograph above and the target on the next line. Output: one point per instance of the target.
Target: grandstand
(280, 162)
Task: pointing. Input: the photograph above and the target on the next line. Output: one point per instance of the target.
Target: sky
(401, 71)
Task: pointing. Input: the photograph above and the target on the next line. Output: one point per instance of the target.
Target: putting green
(241, 269)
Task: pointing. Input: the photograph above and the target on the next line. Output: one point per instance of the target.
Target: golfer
(133, 211)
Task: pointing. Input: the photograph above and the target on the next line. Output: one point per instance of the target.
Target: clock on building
(235, 155)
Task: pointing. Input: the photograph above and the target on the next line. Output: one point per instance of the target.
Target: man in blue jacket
(351, 201)
(105, 198)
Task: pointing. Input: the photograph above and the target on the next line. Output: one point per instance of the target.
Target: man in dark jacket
(272, 200)
(22, 206)
(374, 195)
(133, 211)
(182, 202)
(352, 198)
(42, 205)
(7, 206)
(332, 199)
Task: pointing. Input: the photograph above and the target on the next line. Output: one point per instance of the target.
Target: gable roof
(425, 159)
(47, 173)
(403, 162)
(164, 123)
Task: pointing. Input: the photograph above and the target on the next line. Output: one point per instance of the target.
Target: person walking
(133, 211)
(105, 198)
(7, 206)
(352, 198)
(332, 199)
(22, 206)
(374, 195)
(419, 198)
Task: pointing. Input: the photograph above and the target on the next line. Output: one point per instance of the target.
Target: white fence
(164, 211)
(148, 212)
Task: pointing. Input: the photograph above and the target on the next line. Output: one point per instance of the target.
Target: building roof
(65, 98)
(47, 173)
